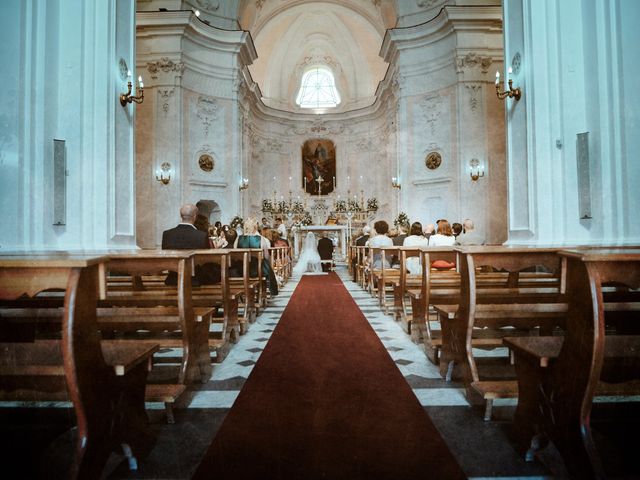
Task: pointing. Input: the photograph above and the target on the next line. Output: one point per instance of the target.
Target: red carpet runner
(325, 400)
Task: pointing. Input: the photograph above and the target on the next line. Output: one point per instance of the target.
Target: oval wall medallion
(206, 162)
(433, 160)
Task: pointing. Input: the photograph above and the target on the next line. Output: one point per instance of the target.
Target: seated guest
(456, 228)
(361, 241)
(444, 237)
(264, 223)
(325, 249)
(429, 230)
(281, 228)
(397, 236)
(380, 240)
(250, 238)
(470, 236)
(415, 239)
(266, 233)
(187, 237)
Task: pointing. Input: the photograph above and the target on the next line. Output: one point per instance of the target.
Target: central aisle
(325, 400)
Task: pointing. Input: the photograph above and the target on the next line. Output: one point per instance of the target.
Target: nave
(482, 449)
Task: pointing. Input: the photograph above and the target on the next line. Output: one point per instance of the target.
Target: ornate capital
(164, 65)
(473, 60)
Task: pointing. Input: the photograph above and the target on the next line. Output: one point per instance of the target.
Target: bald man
(186, 236)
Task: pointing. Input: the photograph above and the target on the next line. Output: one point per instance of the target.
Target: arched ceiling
(291, 35)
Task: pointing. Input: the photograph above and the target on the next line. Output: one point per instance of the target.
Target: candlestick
(304, 183)
(334, 182)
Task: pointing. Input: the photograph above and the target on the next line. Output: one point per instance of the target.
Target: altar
(334, 231)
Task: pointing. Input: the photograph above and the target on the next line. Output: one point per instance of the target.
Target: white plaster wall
(193, 72)
(63, 56)
(577, 66)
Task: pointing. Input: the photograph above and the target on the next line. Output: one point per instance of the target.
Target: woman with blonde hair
(444, 237)
(250, 238)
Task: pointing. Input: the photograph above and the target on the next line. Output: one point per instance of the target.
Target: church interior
(319, 118)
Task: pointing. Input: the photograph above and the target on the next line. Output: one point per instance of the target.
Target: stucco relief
(164, 94)
(318, 127)
(428, 3)
(208, 5)
(475, 93)
(207, 111)
(473, 60)
(164, 65)
(432, 111)
(260, 144)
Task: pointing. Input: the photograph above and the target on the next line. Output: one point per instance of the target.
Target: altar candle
(334, 183)
(304, 183)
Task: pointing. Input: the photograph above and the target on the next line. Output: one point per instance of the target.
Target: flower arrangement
(353, 206)
(236, 222)
(280, 207)
(267, 206)
(402, 220)
(341, 206)
(372, 204)
(297, 207)
(306, 219)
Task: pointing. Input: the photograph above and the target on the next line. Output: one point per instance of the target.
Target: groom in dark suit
(325, 249)
(187, 237)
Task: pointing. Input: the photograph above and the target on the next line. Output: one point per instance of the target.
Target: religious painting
(318, 167)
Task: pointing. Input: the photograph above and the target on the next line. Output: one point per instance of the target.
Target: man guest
(325, 249)
(186, 236)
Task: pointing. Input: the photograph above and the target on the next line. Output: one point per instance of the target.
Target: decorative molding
(318, 127)
(428, 3)
(164, 94)
(207, 111)
(475, 91)
(165, 65)
(432, 110)
(194, 182)
(208, 5)
(432, 181)
(473, 60)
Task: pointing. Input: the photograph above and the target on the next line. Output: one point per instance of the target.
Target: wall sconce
(395, 183)
(127, 97)
(476, 169)
(512, 92)
(244, 184)
(163, 174)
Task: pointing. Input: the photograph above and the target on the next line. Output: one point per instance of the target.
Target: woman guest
(415, 239)
(380, 240)
(444, 237)
(250, 238)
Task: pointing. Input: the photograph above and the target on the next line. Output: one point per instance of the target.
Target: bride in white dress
(309, 259)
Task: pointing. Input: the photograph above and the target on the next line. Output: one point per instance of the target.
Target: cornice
(185, 23)
(450, 19)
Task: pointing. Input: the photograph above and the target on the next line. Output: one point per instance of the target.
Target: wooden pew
(383, 279)
(442, 286)
(599, 355)
(489, 312)
(159, 310)
(104, 380)
(361, 269)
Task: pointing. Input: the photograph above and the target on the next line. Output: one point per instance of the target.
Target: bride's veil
(309, 260)
(310, 242)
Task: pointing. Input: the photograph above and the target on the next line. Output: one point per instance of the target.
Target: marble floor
(483, 449)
